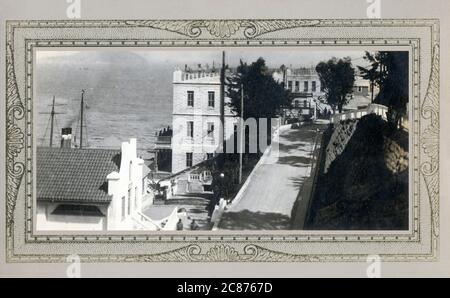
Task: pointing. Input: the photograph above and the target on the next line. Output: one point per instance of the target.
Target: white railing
(147, 222)
(377, 109)
(204, 176)
(194, 177)
(199, 74)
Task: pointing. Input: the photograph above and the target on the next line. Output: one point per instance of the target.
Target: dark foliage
(337, 77)
(263, 96)
(358, 191)
(390, 72)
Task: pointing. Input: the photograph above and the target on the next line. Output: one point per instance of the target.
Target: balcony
(163, 142)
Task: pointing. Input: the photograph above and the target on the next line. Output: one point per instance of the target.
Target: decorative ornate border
(220, 31)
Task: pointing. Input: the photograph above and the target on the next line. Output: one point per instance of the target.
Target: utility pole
(52, 114)
(222, 101)
(222, 147)
(241, 135)
(81, 119)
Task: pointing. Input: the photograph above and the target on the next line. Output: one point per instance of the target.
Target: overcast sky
(177, 57)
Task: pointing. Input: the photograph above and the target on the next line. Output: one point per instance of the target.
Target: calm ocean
(125, 97)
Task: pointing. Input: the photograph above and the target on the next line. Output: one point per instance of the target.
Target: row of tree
(264, 97)
(387, 70)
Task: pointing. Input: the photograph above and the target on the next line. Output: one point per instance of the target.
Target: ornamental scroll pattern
(430, 140)
(14, 138)
(223, 28)
(223, 253)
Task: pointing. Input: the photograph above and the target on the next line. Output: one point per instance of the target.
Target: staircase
(196, 208)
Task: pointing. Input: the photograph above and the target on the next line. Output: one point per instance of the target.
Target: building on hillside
(95, 189)
(361, 87)
(302, 81)
(306, 92)
(196, 116)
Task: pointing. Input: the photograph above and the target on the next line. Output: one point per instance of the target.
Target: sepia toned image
(221, 139)
(296, 140)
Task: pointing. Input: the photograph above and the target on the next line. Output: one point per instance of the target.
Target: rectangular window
(211, 99)
(190, 98)
(190, 129)
(305, 86)
(210, 130)
(297, 86)
(123, 208)
(290, 85)
(313, 86)
(189, 159)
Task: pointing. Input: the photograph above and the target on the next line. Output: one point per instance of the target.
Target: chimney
(66, 137)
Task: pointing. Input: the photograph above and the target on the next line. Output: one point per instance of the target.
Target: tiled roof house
(93, 189)
(75, 176)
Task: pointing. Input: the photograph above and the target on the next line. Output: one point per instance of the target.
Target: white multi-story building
(196, 117)
(301, 81)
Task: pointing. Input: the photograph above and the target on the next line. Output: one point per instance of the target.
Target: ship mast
(52, 120)
(81, 119)
(52, 115)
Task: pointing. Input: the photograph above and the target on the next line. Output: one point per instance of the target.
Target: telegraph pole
(222, 101)
(81, 119)
(52, 114)
(241, 135)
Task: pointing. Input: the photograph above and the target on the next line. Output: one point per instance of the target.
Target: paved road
(268, 200)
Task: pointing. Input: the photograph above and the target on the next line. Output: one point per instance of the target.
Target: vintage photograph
(221, 139)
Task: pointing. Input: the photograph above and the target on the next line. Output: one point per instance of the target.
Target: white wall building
(196, 117)
(95, 189)
(303, 80)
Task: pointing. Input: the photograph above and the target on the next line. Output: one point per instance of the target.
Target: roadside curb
(244, 187)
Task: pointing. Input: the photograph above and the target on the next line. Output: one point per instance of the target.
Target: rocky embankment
(363, 183)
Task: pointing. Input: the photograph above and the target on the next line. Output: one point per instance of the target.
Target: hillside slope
(366, 187)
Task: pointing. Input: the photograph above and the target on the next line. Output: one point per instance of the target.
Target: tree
(394, 84)
(337, 78)
(371, 73)
(263, 96)
(389, 70)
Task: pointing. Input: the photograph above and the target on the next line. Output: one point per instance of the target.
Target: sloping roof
(304, 71)
(75, 175)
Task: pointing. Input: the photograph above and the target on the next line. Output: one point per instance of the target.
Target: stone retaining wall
(395, 156)
(342, 133)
